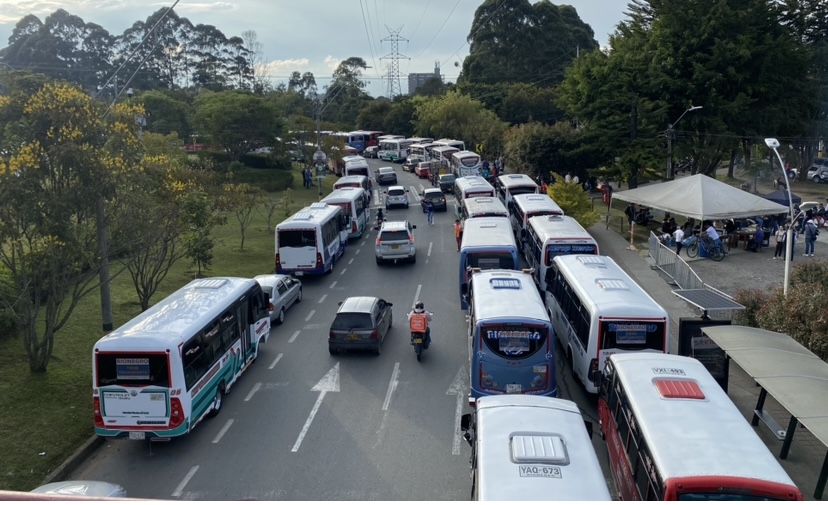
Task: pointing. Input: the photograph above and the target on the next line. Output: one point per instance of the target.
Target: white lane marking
(293, 337)
(358, 251)
(252, 391)
(416, 295)
(344, 270)
(332, 285)
(363, 243)
(416, 194)
(328, 383)
(323, 298)
(430, 245)
(310, 315)
(392, 385)
(226, 427)
(457, 388)
(273, 365)
(352, 260)
(184, 482)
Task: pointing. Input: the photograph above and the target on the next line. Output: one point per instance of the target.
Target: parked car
(396, 196)
(818, 172)
(386, 175)
(411, 162)
(447, 183)
(423, 169)
(82, 488)
(395, 241)
(284, 292)
(361, 322)
(370, 152)
(436, 197)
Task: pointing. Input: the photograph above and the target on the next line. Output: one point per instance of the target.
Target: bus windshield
(297, 238)
(513, 341)
(632, 335)
(491, 260)
(133, 370)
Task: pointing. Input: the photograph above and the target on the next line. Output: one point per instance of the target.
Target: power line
(421, 18)
(367, 34)
(502, 3)
(439, 30)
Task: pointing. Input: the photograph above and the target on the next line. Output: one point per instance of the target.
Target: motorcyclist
(380, 216)
(418, 320)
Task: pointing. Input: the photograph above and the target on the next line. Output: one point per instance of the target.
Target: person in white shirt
(678, 236)
(714, 235)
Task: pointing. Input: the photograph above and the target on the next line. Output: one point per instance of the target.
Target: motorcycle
(420, 340)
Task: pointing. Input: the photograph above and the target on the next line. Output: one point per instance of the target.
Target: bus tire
(217, 401)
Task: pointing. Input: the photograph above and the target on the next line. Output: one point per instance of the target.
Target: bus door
(243, 321)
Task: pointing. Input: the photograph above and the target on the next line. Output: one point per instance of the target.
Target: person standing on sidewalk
(779, 252)
(811, 232)
(458, 232)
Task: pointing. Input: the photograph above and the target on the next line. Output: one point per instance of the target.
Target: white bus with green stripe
(164, 371)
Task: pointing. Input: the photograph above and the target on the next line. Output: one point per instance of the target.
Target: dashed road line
(323, 298)
(293, 337)
(226, 427)
(310, 315)
(253, 391)
(273, 365)
(185, 481)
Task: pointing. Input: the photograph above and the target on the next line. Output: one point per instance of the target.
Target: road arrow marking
(458, 387)
(327, 384)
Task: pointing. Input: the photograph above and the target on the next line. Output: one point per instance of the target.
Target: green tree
(538, 149)
(373, 114)
(165, 114)
(237, 121)
(400, 119)
(243, 200)
(524, 103)
(457, 116)
(573, 200)
(433, 86)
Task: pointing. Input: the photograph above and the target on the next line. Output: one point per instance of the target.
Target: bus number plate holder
(552, 472)
(137, 435)
(514, 388)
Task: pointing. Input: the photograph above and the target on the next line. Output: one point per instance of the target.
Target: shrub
(753, 300)
(270, 181)
(810, 272)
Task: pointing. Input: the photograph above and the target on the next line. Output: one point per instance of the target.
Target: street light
(670, 127)
(774, 144)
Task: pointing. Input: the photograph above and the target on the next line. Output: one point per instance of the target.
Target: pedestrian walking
(430, 211)
(678, 236)
(458, 232)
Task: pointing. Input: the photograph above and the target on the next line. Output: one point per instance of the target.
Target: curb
(71, 463)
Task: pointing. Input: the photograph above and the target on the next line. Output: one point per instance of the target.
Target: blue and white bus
(488, 243)
(393, 149)
(312, 240)
(161, 373)
(548, 236)
(510, 336)
(352, 203)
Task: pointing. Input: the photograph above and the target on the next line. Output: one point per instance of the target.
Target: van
(356, 181)
(356, 166)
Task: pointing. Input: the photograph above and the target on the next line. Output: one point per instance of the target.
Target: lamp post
(319, 160)
(774, 144)
(670, 127)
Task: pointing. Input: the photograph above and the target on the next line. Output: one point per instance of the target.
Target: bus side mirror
(465, 422)
(595, 377)
(588, 428)
(464, 290)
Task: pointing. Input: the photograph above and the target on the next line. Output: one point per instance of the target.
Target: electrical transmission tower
(393, 75)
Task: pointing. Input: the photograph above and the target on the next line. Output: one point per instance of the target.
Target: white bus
(312, 240)
(421, 149)
(524, 207)
(515, 184)
(162, 372)
(465, 163)
(471, 187)
(457, 144)
(393, 149)
(598, 310)
(357, 165)
(548, 236)
(674, 434)
(442, 156)
(352, 203)
(421, 140)
(546, 439)
(356, 181)
(480, 206)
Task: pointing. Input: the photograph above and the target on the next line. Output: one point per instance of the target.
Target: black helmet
(419, 306)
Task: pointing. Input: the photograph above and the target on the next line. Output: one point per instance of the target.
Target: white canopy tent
(701, 197)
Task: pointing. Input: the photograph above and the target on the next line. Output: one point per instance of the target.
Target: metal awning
(707, 299)
(790, 373)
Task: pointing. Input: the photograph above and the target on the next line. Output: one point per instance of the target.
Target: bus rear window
(632, 335)
(518, 341)
(345, 206)
(297, 238)
(490, 261)
(523, 190)
(132, 370)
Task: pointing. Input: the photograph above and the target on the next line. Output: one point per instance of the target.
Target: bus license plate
(552, 472)
(137, 435)
(513, 388)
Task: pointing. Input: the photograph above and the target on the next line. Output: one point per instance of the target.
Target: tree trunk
(733, 154)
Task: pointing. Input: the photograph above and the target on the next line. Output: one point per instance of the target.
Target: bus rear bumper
(138, 434)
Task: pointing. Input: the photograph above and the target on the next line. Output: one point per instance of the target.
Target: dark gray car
(362, 322)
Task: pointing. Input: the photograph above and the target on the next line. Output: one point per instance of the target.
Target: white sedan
(284, 291)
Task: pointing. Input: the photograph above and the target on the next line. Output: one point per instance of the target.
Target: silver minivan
(395, 241)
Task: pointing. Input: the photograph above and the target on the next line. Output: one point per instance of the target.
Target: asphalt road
(304, 425)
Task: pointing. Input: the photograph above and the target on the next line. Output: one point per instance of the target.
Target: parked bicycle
(714, 250)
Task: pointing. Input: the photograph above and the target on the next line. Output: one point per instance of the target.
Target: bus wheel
(219, 399)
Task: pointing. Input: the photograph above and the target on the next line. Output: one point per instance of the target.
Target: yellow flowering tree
(60, 160)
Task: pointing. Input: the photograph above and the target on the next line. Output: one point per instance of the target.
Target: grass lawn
(44, 418)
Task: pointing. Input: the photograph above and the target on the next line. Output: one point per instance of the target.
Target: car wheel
(299, 298)
(414, 259)
(815, 179)
(281, 318)
(379, 261)
(331, 350)
(406, 206)
(378, 350)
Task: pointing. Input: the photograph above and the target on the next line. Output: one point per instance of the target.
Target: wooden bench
(769, 421)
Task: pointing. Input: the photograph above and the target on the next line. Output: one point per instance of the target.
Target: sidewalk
(806, 456)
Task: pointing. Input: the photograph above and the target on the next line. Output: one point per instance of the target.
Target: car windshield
(351, 321)
(394, 235)
(386, 170)
(446, 178)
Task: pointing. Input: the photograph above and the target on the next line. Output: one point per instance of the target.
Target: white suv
(395, 241)
(396, 195)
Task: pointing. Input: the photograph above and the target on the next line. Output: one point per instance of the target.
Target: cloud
(332, 62)
(283, 68)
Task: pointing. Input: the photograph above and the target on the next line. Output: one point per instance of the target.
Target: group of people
(638, 215)
(307, 178)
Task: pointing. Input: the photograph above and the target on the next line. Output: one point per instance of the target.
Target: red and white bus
(673, 434)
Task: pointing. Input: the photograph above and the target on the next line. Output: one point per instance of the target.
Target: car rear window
(434, 195)
(394, 235)
(352, 321)
(396, 192)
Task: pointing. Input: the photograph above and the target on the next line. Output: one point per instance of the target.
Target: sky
(315, 35)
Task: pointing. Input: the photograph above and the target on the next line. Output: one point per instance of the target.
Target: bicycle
(714, 251)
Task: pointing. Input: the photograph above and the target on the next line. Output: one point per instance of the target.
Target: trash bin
(606, 193)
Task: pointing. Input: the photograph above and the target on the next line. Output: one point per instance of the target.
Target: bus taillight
(96, 407)
(176, 413)
(354, 228)
(319, 260)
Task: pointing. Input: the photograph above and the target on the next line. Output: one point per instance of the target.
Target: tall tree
(458, 116)
(255, 56)
(236, 121)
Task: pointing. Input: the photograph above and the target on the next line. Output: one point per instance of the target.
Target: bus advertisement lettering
(511, 341)
(571, 249)
(633, 335)
(132, 368)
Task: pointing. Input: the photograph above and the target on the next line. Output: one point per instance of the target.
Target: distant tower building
(417, 80)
